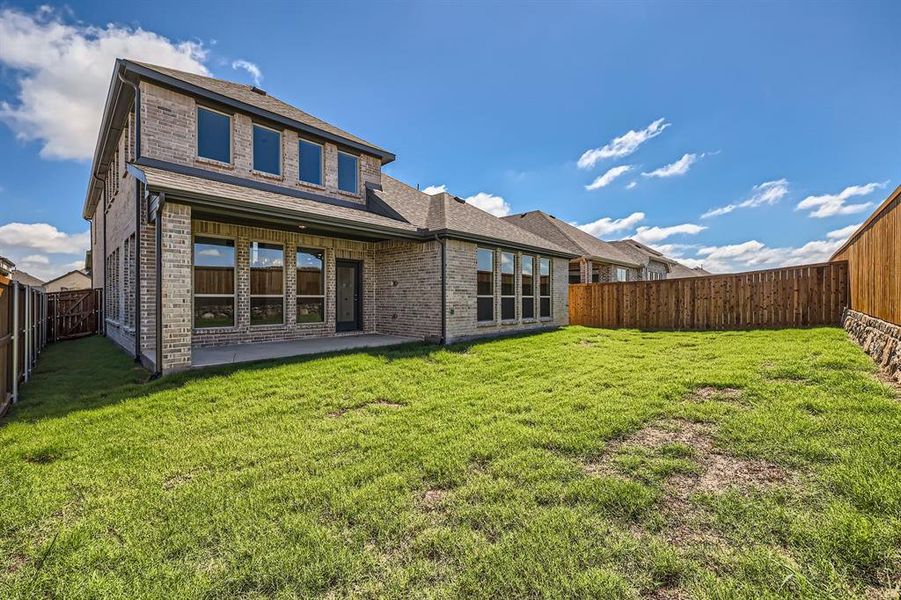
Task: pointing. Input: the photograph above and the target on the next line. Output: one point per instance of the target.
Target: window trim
(514, 318)
(550, 288)
(234, 294)
(356, 157)
(493, 295)
(616, 271)
(231, 135)
(298, 295)
(281, 159)
(251, 295)
(321, 183)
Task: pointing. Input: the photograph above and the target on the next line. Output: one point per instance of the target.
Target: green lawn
(578, 463)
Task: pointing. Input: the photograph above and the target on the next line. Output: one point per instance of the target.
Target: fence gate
(73, 314)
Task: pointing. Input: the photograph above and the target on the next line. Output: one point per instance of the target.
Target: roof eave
(481, 239)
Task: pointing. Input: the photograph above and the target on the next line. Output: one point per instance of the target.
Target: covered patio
(238, 353)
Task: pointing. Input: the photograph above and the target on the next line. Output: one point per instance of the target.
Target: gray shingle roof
(640, 253)
(680, 271)
(418, 214)
(570, 237)
(245, 93)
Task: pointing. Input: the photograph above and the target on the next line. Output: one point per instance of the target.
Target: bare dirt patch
(177, 480)
(16, 562)
(385, 403)
(717, 472)
(708, 393)
(432, 498)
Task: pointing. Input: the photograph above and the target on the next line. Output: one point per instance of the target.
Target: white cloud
(647, 235)
(43, 237)
(631, 185)
(608, 177)
(843, 233)
(64, 70)
(766, 193)
(251, 68)
(42, 250)
(36, 259)
(680, 167)
(623, 145)
(490, 203)
(607, 226)
(754, 255)
(829, 205)
(435, 189)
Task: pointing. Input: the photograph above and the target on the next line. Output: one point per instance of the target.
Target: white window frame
(231, 136)
(281, 161)
(493, 295)
(617, 271)
(321, 162)
(550, 288)
(298, 296)
(234, 293)
(251, 295)
(356, 157)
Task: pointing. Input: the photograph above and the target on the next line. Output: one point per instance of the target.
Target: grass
(454, 472)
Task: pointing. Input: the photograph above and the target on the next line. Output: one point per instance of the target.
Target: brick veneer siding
(334, 249)
(176, 286)
(169, 132)
(461, 295)
(605, 271)
(408, 289)
(654, 267)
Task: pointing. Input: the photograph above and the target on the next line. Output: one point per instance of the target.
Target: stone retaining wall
(879, 339)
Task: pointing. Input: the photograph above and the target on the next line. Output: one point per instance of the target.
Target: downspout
(137, 289)
(158, 361)
(443, 242)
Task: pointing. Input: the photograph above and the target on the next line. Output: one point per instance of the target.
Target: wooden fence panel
(23, 334)
(802, 296)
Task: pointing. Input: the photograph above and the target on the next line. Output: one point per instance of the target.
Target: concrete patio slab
(237, 353)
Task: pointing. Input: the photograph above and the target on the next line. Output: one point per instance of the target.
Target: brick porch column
(177, 286)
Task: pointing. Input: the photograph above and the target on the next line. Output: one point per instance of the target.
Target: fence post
(15, 341)
(26, 366)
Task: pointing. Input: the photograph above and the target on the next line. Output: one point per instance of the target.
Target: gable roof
(25, 278)
(78, 271)
(680, 271)
(570, 237)
(640, 253)
(255, 97)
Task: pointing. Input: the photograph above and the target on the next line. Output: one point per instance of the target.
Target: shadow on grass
(93, 372)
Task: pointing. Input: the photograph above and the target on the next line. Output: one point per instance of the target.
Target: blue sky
(775, 104)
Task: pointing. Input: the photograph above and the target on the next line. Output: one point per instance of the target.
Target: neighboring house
(73, 280)
(25, 279)
(680, 271)
(653, 264)
(6, 266)
(270, 224)
(597, 261)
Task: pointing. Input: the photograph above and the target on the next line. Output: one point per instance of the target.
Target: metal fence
(23, 334)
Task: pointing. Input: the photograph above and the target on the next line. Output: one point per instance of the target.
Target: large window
(214, 135)
(267, 150)
(528, 287)
(508, 286)
(310, 162)
(544, 285)
(310, 286)
(267, 284)
(214, 282)
(485, 284)
(348, 172)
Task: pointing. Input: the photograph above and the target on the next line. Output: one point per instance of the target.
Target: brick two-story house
(222, 216)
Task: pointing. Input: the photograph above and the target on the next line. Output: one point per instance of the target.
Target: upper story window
(310, 162)
(267, 150)
(485, 284)
(214, 135)
(348, 172)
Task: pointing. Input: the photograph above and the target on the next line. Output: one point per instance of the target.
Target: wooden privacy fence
(23, 334)
(72, 314)
(788, 297)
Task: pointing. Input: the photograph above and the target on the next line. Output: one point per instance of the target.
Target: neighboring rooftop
(640, 253)
(680, 271)
(26, 279)
(6, 266)
(570, 237)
